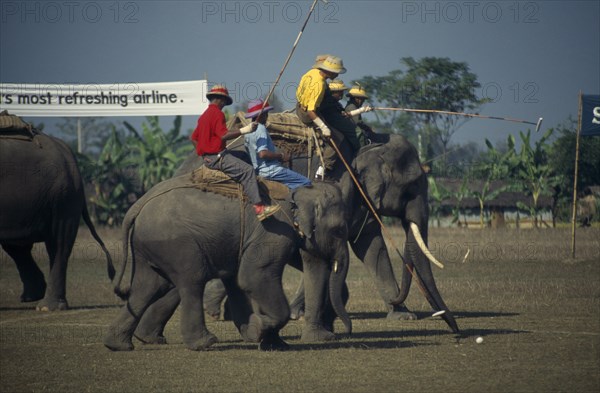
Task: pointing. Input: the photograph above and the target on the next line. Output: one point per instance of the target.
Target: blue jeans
(284, 175)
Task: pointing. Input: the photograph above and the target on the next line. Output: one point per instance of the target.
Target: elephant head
(321, 218)
(396, 184)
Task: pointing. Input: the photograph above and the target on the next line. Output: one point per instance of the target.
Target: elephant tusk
(422, 246)
(335, 266)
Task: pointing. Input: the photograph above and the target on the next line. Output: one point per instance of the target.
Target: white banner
(119, 99)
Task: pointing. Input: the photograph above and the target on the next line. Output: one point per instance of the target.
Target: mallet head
(539, 124)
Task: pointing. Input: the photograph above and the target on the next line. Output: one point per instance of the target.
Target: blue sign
(590, 115)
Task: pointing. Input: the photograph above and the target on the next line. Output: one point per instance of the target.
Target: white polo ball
(479, 340)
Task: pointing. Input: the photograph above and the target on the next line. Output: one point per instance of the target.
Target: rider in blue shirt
(265, 159)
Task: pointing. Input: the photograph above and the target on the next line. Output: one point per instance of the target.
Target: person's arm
(271, 155)
(234, 133)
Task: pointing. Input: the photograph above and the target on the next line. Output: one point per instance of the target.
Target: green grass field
(537, 310)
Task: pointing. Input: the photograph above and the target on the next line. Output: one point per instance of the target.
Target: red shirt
(211, 127)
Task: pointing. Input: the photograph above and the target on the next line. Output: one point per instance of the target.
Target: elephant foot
(272, 342)
(203, 343)
(297, 313)
(33, 295)
(151, 339)
(113, 342)
(52, 305)
(401, 316)
(316, 334)
(253, 331)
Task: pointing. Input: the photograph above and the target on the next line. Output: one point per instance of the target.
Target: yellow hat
(333, 64)
(319, 60)
(337, 85)
(357, 91)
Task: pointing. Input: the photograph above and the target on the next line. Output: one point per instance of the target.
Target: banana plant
(157, 154)
(115, 183)
(497, 167)
(437, 194)
(459, 195)
(534, 171)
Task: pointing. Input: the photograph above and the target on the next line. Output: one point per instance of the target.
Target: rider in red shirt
(209, 139)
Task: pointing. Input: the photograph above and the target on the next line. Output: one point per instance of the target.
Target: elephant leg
(193, 325)
(297, 303)
(150, 329)
(34, 285)
(214, 293)
(316, 277)
(272, 342)
(271, 309)
(59, 247)
(371, 249)
(240, 308)
(146, 287)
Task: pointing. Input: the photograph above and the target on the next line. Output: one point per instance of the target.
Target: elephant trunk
(404, 286)
(337, 278)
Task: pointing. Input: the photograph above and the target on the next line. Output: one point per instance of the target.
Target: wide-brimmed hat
(357, 91)
(337, 85)
(219, 91)
(254, 108)
(319, 60)
(333, 64)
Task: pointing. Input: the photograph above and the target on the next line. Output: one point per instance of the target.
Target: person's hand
(324, 129)
(285, 156)
(248, 129)
(361, 110)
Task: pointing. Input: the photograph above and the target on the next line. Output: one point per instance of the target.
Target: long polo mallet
(537, 124)
(287, 60)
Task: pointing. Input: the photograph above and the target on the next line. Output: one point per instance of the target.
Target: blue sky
(531, 57)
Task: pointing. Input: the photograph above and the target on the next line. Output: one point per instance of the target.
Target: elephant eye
(339, 232)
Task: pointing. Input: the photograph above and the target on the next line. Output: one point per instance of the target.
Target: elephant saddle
(13, 127)
(215, 181)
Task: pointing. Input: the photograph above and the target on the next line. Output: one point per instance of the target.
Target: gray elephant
(41, 200)
(181, 237)
(391, 175)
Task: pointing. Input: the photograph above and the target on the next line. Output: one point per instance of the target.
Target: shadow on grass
(425, 314)
(362, 340)
(329, 346)
(32, 308)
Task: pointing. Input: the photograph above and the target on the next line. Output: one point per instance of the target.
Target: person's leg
(288, 177)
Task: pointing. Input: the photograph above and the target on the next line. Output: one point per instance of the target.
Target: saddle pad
(13, 127)
(218, 182)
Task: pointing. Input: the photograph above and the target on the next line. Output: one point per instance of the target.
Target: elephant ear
(304, 211)
(311, 208)
(374, 173)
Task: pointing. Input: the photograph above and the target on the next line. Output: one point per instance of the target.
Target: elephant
(181, 237)
(42, 199)
(392, 178)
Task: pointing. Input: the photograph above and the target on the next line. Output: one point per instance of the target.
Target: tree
(114, 181)
(155, 153)
(437, 194)
(534, 170)
(94, 133)
(430, 83)
(497, 165)
(562, 152)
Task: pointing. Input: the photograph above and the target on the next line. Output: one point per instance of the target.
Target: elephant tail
(88, 221)
(128, 223)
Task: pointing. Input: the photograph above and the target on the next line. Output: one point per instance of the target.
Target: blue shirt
(256, 142)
